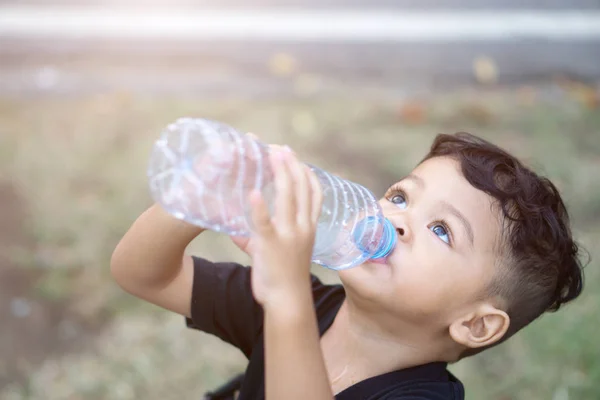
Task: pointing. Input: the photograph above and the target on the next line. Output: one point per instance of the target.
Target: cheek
(420, 297)
(366, 281)
(430, 288)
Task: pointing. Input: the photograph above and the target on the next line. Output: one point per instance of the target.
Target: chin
(380, 267)
(377, 267)
(368, 280)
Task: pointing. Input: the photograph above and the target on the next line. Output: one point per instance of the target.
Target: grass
(79, 165)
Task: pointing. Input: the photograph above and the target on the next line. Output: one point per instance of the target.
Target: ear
(482, 327)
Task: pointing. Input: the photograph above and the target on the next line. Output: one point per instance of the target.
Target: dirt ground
(33, 329)
(78, 183)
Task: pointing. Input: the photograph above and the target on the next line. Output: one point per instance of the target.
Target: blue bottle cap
(388, 238)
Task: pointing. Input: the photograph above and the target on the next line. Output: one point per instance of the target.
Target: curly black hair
(540, 267)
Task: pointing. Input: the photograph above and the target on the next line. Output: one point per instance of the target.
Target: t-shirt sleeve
(223, 304)
(433, 396)
(429, 391)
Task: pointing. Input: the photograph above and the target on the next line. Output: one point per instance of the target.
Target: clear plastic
(203, 171)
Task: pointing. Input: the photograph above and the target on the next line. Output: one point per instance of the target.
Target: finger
(317, 195)
(260, 214)
(241, 242)
(254, 153)
(285, 204)
(302, 188)
(276, 147)
(252, 136)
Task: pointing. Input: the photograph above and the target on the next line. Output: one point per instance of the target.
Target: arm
(281, 253)
(294, 364)
(149, 261)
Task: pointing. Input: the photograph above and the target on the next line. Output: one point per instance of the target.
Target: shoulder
(320, 289)
(427, 382)
(425, 390)
(326, 294)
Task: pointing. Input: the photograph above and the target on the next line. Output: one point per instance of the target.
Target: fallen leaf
(526, 95)
(586, 94)
(485, 70)
(303, 123)
(413, 112)
(307, 84)
(282, 64)
(589, 97)
(478, 113)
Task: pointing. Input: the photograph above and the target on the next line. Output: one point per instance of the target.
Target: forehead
(443, 174)
(444, 182)
(440, 169)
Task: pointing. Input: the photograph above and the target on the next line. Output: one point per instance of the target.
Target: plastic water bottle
(203, 171)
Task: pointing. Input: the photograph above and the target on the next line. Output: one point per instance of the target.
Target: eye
(399, 199)
(441, 231)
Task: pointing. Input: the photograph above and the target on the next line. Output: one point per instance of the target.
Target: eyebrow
(465, 222)
(415, 179)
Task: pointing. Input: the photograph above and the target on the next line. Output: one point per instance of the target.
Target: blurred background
(358, 87)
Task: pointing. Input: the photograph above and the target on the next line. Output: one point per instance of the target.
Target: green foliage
(80, 168)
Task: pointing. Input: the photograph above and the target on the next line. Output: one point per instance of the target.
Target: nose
(403, 229)
(400, 219)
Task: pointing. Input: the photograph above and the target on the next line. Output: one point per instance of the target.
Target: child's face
(448, 233)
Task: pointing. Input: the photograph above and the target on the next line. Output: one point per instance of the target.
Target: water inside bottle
(203, 172)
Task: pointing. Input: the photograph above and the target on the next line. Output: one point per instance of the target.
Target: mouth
(384, 260)
(379, 261)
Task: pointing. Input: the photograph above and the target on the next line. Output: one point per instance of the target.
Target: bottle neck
(375, 236)
(388, 240)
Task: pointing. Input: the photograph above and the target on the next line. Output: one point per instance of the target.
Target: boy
(484, 248)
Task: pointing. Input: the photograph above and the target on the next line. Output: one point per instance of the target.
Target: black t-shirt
(223, 305)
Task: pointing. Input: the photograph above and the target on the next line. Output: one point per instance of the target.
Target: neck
(362, 351)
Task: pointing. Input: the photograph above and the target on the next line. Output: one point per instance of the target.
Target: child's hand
(242, 242)
(282, 245)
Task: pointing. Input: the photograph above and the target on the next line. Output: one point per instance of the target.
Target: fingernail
(287, 148)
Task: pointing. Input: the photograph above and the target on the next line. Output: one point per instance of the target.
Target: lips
(379, 260)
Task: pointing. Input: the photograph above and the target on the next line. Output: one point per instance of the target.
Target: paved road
(337, 4)
(443, 54)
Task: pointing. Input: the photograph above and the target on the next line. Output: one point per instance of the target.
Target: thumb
(252, 136)
(241, 242)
